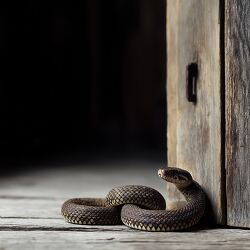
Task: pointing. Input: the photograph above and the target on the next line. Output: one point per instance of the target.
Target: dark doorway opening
(85, 77)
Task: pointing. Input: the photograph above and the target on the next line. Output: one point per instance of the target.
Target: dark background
(86, 77)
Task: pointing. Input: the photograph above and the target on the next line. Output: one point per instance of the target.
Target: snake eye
(175, 177)
(183, 178)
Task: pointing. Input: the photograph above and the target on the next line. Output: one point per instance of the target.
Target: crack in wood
(17, 197)
(81, 229)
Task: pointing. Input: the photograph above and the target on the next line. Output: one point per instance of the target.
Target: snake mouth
(161, 173)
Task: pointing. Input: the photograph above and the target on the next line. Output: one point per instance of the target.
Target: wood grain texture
(237, 106)
(172, 79)
(34, 221)
(121, 238)
(50, 224)
(194, 130)
(25, 207)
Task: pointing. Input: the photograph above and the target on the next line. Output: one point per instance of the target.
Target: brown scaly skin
(142, 207)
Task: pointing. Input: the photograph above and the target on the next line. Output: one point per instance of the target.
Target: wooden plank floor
(30, 212)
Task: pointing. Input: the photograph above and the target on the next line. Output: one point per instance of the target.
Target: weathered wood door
(237, 104)
(209, 135)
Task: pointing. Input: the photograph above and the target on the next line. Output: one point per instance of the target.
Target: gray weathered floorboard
(30, 216)
(228, 239)
(30, 207)
(57, 224)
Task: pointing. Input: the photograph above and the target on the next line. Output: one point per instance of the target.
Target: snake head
(177, 176)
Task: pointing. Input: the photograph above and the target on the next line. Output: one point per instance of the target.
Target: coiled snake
(141, 207)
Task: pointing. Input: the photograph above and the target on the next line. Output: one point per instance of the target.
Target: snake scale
(141, 207)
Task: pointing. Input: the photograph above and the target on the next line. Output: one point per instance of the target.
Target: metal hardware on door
(191, 81)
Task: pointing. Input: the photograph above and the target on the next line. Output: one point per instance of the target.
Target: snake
(140, 207)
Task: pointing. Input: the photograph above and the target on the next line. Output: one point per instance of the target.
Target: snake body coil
(141, 207)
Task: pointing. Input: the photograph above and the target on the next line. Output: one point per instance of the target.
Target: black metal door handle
(191, 81)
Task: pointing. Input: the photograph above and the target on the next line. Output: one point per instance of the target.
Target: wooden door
(237, 79)
(211, 137)
(194, 128)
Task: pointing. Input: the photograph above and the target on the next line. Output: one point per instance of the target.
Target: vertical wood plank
(194, 130)
(237, 107)
(172, 79)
